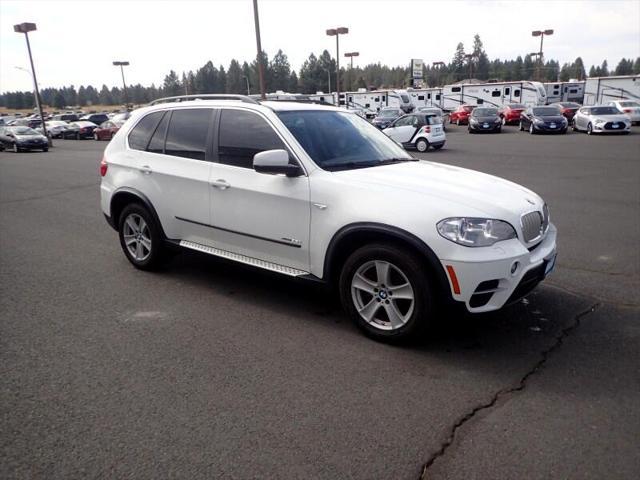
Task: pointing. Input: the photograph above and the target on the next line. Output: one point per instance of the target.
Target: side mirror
(275, 162)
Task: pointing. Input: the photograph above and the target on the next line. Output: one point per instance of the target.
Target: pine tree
(235, 82)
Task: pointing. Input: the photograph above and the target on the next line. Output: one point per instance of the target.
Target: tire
(140, 237)
(499, 130)
(589, 129)
(458, 122)
(532, 129)
(15, 148)
(504, 121)
(77, 136)
(573, 126)
(46, 149)
(521, 128)
(469, 129)
(96, 137)
(422, 145)
(360, 289)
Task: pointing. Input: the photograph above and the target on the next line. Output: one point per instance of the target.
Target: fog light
(514, 267)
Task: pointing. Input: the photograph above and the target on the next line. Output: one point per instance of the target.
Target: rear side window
(187, 135)
(141, 133)
(156, 145)
(242, 135)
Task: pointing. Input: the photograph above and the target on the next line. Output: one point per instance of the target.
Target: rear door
(173, 170)
(259, 215)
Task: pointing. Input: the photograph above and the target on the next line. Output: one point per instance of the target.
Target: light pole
(256, 20)
(541, 34)
(248, 89)
(337, 32)
(329, 79)
(123, 64)
(438, 66)
(26, 28)
(351, 55)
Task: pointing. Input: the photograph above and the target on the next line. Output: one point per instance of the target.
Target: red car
(568, 109)
(510, 113)
(107, 130)
(460, 116)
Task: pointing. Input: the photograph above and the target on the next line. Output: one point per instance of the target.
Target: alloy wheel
(137, 237)
(382, 295)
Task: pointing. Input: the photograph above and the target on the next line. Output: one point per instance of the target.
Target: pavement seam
(544, 356)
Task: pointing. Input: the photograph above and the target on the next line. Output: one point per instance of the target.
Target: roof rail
(205, 96)
(306, 100)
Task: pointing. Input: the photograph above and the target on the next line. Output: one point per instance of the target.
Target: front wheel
(95, 136)
(140, 237)
(532, 129)
(589, 129)
(458, 122)
(45, 149)
(386, 292)
(504, 121)
(422, 145)
(521, 126)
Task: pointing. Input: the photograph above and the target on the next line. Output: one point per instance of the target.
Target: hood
(30, 137)
(475, 193)
(611, 118)
(488, 118)
(384, 119)
(550, 118)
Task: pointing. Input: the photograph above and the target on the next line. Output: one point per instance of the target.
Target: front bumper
(547, 127)
(480, 127)
(608, 127)
(488, 284)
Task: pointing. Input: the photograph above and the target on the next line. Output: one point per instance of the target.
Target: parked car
(107, 130)
(510, 113)
(66, 117)
(23, 138)
(485, 119)
(601, 119)
(568, 109)
(543, 119)
(55, 128)
(317, 193)
(460, 116)
(386, 117)
(71, 131)
(437, 111)
(418, 131)
(629, 108)
(84, 129)
(96, 118)
(120, 116)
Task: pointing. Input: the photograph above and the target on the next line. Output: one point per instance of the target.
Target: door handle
(221, 183)
(146, 169)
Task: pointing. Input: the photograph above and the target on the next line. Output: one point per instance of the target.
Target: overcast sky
(76, 41)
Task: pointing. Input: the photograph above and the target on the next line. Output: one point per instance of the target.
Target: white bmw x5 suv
(316, 192)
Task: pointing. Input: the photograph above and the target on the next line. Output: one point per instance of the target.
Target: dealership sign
(416, 67)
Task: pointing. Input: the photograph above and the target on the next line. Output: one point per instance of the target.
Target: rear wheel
(95, 136)
(140, 237)
(422, 145)
(386, 292)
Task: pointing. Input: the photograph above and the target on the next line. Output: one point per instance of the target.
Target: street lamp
(441, 65)
(351, 55)
(541, 34)
(256, 21)
(26, 28)
(123, 64)
(337, 32)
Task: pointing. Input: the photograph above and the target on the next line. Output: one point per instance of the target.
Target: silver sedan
(601, 119)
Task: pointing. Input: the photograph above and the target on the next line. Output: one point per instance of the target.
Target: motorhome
(372, 101)
(601, 90)
(493, 94)
(426, 97)
(571, 91)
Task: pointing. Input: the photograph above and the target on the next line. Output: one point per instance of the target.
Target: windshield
(629, 104)
(405, 98)
(340, 141)
(390, 113)
(468, 108)
(517, 106)
(485, 112)
(433, 120)
(604, 111)
(570, 105)
(22, 131)
(546, 111)
(431, 111)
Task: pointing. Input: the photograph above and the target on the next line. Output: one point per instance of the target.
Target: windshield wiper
(388, 161)
(372, 163)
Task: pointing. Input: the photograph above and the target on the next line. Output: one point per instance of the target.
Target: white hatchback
(317, 193)
(630, 108)
(418, 131)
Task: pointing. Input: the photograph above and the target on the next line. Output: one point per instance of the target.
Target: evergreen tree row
(318, 73)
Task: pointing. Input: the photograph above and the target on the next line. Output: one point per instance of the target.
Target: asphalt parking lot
(211, 370)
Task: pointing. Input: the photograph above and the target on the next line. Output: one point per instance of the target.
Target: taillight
(627, 110)
(427, 129)
(103, 167)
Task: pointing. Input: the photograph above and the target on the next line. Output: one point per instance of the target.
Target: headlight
(475, 232)
(599, 121)
(473, 120)
(538, 120)
(497, 120)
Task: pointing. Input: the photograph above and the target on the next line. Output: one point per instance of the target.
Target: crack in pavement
(505, 391)
(61, 192)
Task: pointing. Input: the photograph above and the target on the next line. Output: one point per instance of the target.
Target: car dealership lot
(209, 369)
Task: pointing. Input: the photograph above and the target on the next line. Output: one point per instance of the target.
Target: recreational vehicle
(372, 101)
(572, 91)
(602, 90)
(493, 94)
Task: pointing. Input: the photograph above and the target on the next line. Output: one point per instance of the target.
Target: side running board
(236, 257)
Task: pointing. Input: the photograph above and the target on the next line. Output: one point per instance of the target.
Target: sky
(76, 41)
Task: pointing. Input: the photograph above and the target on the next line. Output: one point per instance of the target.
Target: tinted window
(187, 135)
(516, 93)
(242, 135)
(141, 133)
(495, 93)
(506, 90)
(156, 145)
(455, 89)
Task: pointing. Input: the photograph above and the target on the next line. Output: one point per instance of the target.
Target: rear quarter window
(141, 134)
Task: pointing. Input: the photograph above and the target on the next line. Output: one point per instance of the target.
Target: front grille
(532, 226)
(610, 125)
(483, 293)
(529, 281)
